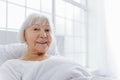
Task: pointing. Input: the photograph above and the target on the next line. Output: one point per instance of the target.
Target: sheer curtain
(100, 57)
(113, 31)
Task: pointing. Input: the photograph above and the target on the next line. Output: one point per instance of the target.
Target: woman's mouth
(42, 42)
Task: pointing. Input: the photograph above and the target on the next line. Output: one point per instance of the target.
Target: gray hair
(37, 19)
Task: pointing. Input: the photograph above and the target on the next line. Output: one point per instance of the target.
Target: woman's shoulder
(12, 63)
(9, 62)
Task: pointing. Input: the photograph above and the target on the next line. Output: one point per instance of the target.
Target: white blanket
(55, 68)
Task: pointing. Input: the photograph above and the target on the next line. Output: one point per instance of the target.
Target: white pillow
(11, 51)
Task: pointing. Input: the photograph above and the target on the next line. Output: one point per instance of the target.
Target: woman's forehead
(41, 22)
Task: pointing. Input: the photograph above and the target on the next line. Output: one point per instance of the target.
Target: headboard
(7, 37)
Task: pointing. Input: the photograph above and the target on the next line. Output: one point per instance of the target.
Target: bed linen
(54, 68)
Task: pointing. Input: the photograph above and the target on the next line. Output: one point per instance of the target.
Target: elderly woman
(37, 63)
(36, 32)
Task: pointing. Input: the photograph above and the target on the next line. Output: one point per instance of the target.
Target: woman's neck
(35, 56)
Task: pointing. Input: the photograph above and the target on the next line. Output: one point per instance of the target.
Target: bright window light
(2, 14)
(16, 16)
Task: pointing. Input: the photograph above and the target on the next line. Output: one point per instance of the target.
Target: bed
(9, 48)
(9, 51)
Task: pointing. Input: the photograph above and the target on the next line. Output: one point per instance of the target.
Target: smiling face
(38, 37)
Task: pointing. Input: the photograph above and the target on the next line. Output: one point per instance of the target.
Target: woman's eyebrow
(38, 26)
(41, 24)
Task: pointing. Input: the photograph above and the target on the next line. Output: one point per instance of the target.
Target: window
(19, 2)
(2, 14)
(59, 26)
(34, 4)
(46, 7)
(16, 16)
(69, 19)
(70, 23)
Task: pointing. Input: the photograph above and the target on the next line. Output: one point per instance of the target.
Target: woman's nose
(42, 34)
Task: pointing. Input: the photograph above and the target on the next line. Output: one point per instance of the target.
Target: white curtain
(100, 55)
(112, 10)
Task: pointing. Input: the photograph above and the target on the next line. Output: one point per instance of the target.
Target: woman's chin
(42, 47)
(42, 51)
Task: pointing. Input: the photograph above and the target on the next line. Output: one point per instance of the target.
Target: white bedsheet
(54, 68)
(103, 78)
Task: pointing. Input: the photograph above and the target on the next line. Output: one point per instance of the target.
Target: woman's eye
(36, 29)
(47, 30)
